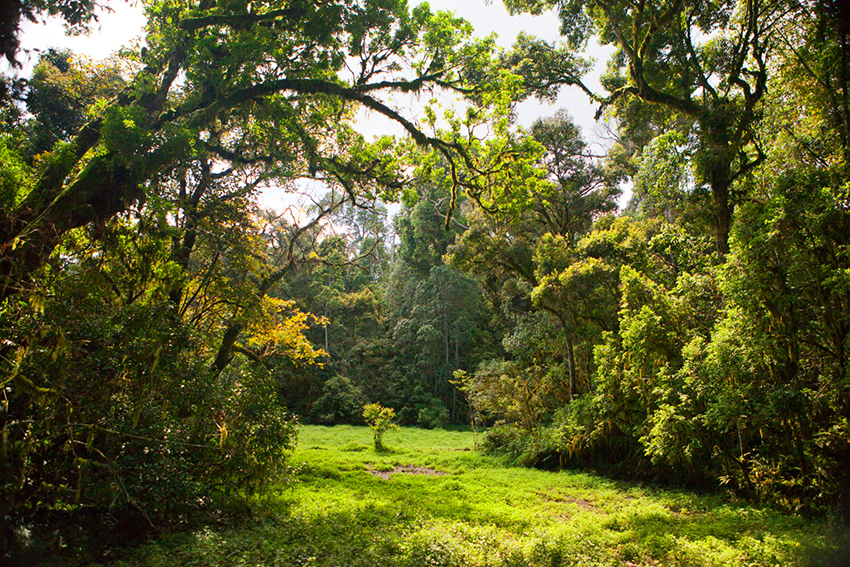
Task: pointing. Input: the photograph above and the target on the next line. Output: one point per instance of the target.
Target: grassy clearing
(480, 513)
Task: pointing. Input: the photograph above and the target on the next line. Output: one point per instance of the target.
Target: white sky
(126, 22)
(113, 30)
(492, 17)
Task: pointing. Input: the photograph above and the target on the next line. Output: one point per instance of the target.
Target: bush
(434, 415)
(340, 402)
(520, 446)
(380, 420)
(110, 408)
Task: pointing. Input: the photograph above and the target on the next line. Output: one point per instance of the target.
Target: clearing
(431, 500)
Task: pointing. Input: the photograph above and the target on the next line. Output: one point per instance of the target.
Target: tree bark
(571, 364)
(103, 189)
(225, 351)
(723, 210)
(570, 357)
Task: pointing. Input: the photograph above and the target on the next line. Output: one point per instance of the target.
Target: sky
(126, 22)
(491, 17)
(112, 31)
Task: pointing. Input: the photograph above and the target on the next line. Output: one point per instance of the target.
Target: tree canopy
(162, 332)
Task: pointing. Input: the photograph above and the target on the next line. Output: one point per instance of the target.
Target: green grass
(480, 513)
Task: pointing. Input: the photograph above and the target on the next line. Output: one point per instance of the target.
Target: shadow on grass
(382, 449)
(390, 532)
(367, 536)
(760, 534)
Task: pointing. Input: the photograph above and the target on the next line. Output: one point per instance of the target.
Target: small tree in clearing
(466, 384)
(380, 420)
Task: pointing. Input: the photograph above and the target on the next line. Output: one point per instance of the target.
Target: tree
(664, 184)
(135, 230)
(435, 315)
(261, 87)
(337, 276)
(506, 248)
(60, 92)
(706, 63)
(580, 291)
(579, 189)
(435, 326)
(782, 339)
(380, 421)
(110, 398)
(424, 238)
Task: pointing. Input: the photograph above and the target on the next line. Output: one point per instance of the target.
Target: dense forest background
(161, 331)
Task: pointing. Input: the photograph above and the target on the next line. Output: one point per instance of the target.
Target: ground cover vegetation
(430, 499)
(161, 333)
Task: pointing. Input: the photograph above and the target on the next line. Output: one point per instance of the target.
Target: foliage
(482, 513)
(437, 321)
(341, 402)
(699, 337)
(163, 441)
(380, 421)
(519, 446)
(434, 415)
(158, 328)
(63, 91)
(15, 175)
(128, 193)
(703, 66)
(297, 111)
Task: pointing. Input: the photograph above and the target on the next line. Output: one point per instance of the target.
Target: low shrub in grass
(434, 547)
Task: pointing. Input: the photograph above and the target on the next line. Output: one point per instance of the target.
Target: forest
(163, 333)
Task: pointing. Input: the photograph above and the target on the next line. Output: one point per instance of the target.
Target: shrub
(380, 420)
(520, 446)
(434, 415)
(339, 403)
(113, 410)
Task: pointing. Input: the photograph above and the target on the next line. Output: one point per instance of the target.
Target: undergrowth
(466, 509)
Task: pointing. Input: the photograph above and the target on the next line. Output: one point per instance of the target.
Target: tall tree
(274, 79)
(568, 193)
(435, 312)
(705, 62)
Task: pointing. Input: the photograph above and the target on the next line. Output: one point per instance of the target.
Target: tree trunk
(184, 247)
(715, 159)
(571, 364)
(447, 341)
(225, 351)
(568, 348)
(29, 236)
(723, 213)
